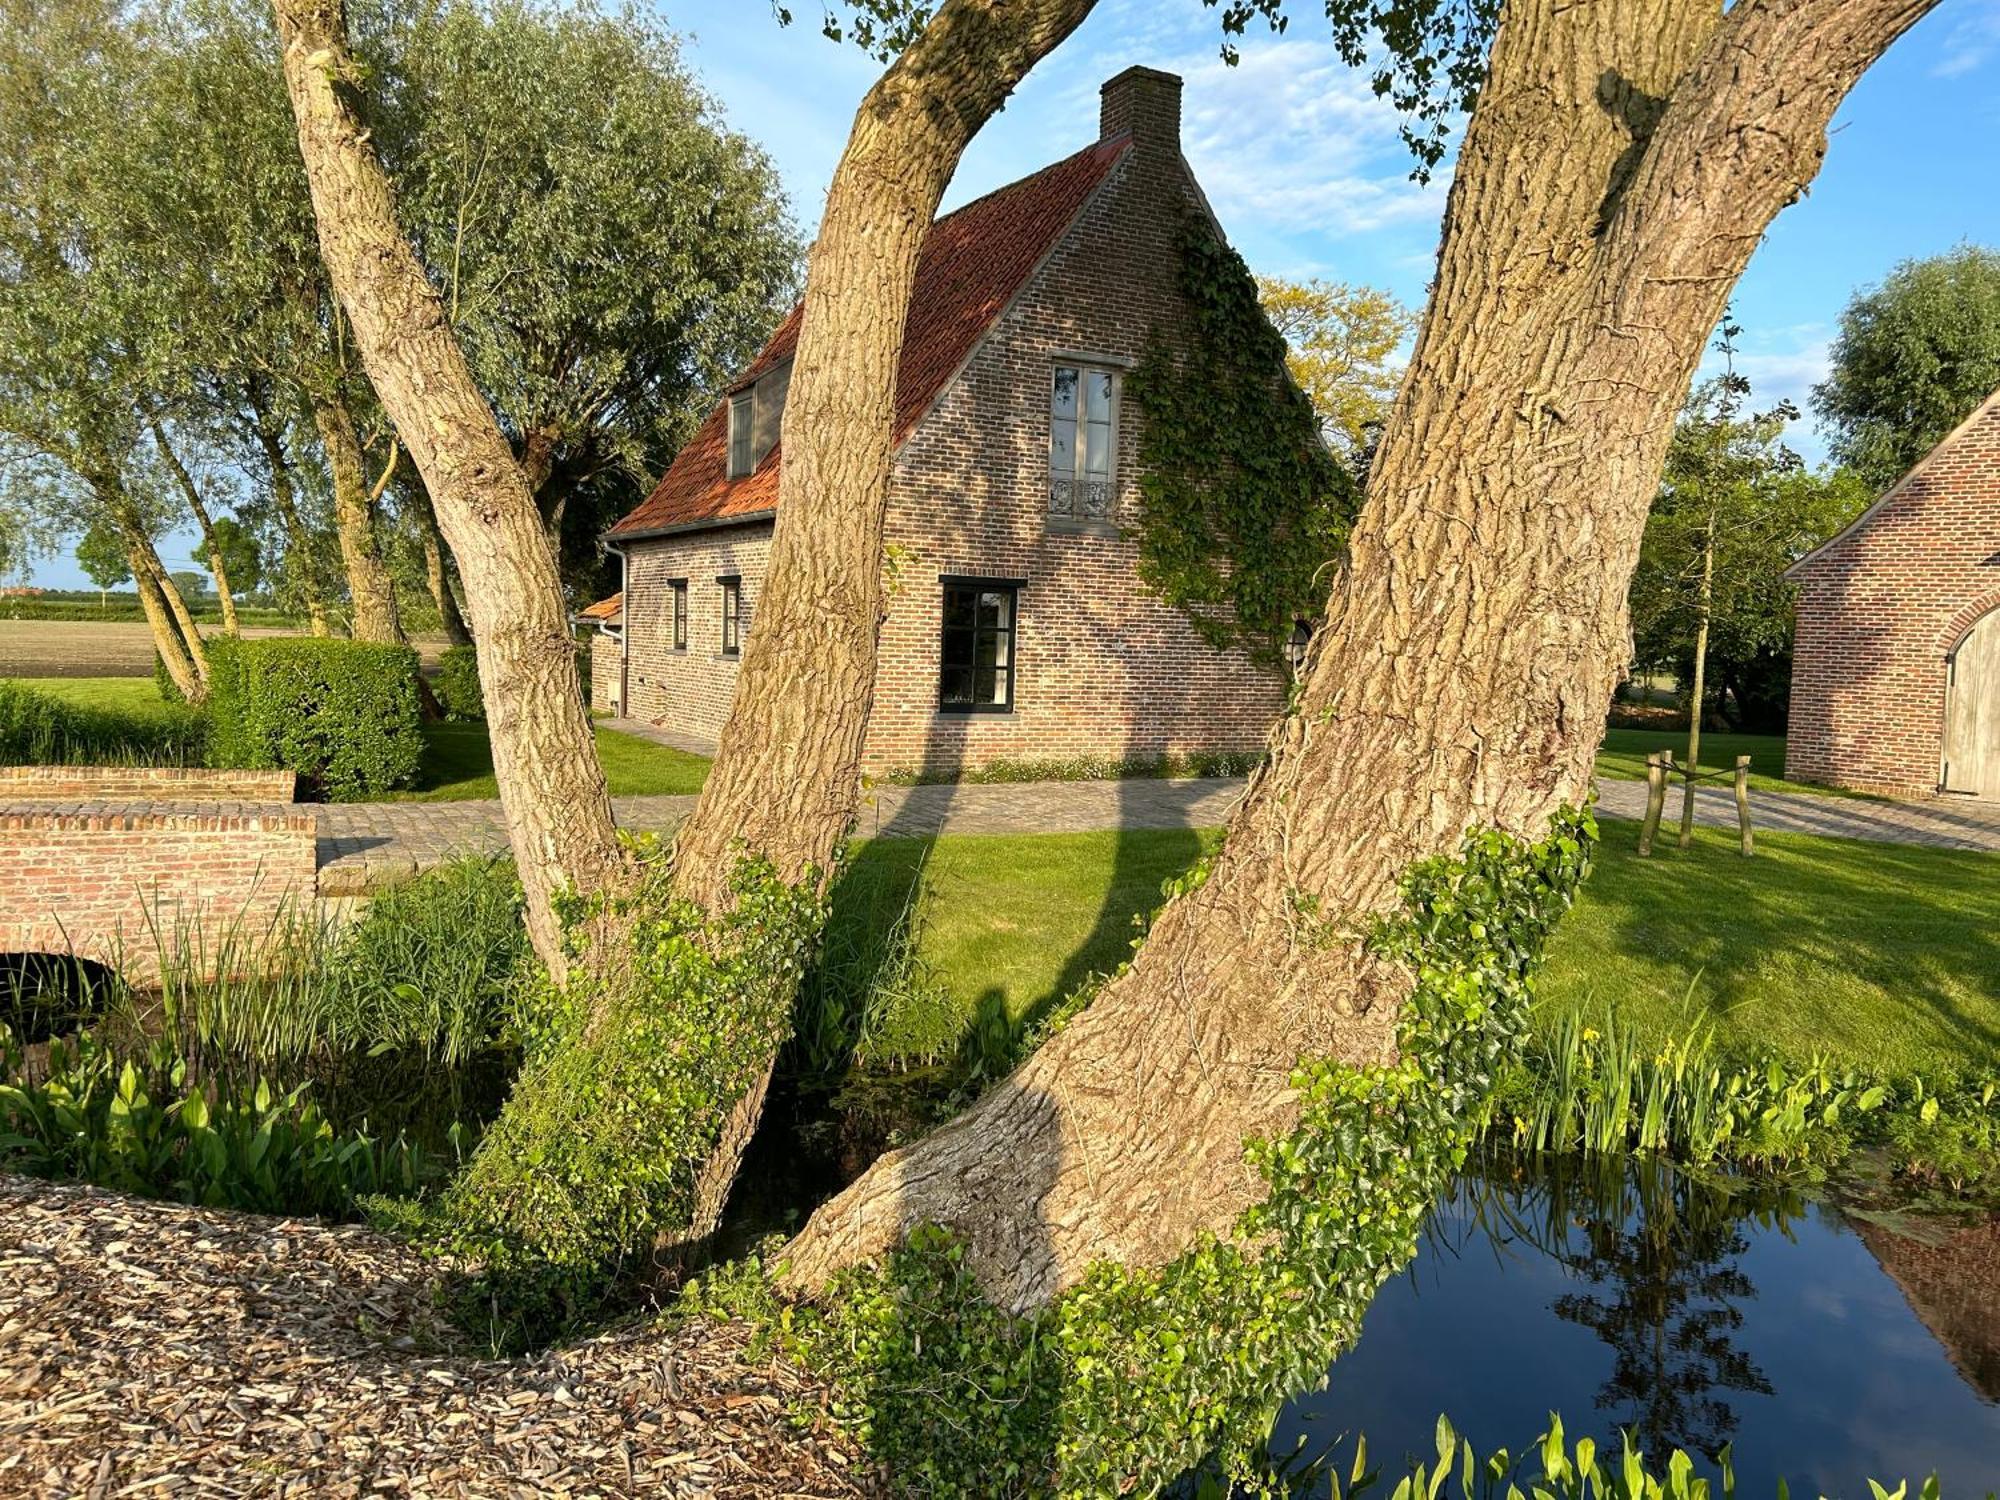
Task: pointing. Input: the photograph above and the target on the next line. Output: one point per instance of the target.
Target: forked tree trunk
(551, 786)
(174, 633)
(284, 497)
(368, 581)
(787, 774)
(1620, 166)
(191, 492)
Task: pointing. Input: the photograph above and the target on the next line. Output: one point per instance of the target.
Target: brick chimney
(1145, 104)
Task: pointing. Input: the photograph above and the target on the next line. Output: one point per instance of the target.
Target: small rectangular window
(732, 615)
(679, 605)
(976, 655)
(741, 423)
(1083, 404)
(769, 412)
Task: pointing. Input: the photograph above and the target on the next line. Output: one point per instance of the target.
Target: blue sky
(1305, 168)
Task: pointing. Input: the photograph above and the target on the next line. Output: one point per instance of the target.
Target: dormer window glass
(755, 416)
(1083, 406)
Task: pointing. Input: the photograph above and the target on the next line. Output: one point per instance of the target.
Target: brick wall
(604, 683)
(1880, 610)
(689, 690)
(143, 784)
(1102, 667)
(117, 882)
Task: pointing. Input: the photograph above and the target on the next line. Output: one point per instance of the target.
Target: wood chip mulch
(155, 1349)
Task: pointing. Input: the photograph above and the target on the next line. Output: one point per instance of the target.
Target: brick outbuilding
(1896, 664)
(1017, 627)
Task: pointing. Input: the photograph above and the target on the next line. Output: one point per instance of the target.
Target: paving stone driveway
(364, 846)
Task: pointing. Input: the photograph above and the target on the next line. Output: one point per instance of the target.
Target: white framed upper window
(1083, 441)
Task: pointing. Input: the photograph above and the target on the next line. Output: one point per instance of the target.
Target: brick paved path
(366, 845)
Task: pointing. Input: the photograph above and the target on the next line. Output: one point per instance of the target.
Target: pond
(1826, 1346)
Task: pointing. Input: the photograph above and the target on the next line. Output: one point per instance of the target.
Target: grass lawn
(1622, 757)
(125, 695)
(1872, 953)
(458, 766)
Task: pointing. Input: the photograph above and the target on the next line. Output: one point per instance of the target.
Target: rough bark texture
(787, 771)
(551, 786)
(1621, 165)
(368, 583)
(191, 492)
(284, 497)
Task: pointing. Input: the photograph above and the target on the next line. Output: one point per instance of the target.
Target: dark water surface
(1827, 1348)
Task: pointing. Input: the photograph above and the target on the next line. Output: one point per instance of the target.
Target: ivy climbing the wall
(1136, 1375)
(1244, 511)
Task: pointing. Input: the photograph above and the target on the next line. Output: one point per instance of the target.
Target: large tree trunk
(174, 634)
(284, 497)
(551, 786)
(787, 776)
(1620, 166)
(368, 581)
(191, 492)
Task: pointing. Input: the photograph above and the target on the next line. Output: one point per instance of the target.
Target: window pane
(986, 685)
(956, 686)
(1062, 448)
(958, 606)
(994, 608)
(739, 436)
(1064, 400)
(958, 648)
(1097, 450)
(1097, 396)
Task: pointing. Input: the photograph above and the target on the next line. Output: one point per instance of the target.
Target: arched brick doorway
(1972, 711)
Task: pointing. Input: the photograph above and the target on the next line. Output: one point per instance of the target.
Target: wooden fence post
(1743, 803)
(1656, 798)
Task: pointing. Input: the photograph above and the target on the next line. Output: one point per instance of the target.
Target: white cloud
(1971, 43)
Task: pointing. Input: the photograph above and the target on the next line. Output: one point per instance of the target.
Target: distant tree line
(172, 357)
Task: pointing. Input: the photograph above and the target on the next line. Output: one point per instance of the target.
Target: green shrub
(141, 1124)
(163, 680)
(343, 715)
(37, 729)
(457, 684)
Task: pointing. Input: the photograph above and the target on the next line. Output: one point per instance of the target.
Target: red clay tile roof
(973, 263)
(604, 609)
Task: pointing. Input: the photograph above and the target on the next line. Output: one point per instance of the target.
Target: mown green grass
(131, 695)
(1874, 954)
(458, 766)
(1622, 757)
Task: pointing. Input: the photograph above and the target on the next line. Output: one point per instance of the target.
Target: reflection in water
(1693, 1312)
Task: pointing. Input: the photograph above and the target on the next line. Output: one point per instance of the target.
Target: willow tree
(1619, 165)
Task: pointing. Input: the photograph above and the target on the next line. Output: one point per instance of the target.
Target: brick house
(1017, 627)
(1896, 663)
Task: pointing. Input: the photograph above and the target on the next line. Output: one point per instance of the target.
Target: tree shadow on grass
(1856, 942)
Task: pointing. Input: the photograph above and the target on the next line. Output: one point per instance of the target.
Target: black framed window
(678, 604)
(977, 652)
(732, 615)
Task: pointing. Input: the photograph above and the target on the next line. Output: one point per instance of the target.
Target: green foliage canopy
(1914, 357)
(1768, 510)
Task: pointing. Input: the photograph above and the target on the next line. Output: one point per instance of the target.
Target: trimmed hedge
(457, 684)
(343, 715)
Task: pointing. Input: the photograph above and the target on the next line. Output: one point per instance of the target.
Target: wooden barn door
(1972, 713)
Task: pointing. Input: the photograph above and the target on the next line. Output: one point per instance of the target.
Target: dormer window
(1083, 408)
(755, 415)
